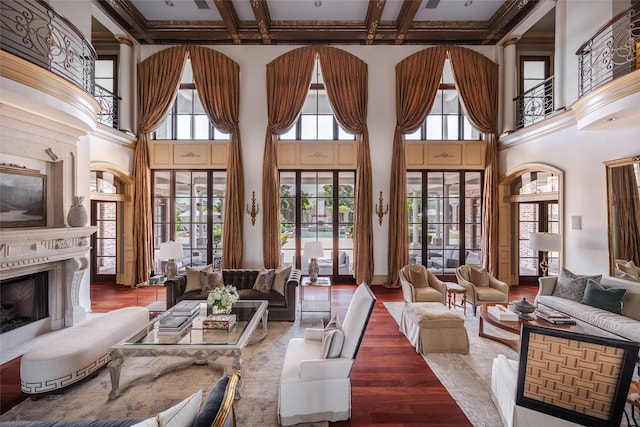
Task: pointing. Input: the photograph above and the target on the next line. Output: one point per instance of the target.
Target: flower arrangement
(222, 298)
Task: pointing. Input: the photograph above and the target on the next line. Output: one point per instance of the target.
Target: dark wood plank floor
(391, 383)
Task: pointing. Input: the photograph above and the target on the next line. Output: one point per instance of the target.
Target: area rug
(467, 377)
(258, 406)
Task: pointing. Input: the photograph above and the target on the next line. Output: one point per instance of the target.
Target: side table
(315, 297)
(157, 282)
(454, 289)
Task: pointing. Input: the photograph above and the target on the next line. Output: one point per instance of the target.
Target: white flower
(223, 297)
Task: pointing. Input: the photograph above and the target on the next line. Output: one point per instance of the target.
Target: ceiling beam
(263, 19)
(510, 13)
(230, 18)
(405, 18)
(127, 16)
(374, 13)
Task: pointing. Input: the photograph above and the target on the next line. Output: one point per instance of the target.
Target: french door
(318, 206)
(104, 215)
(535, 217)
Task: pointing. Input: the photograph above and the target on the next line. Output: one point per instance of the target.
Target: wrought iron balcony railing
(33, 31)
(109, 106)
(535, 105)
(612, 52)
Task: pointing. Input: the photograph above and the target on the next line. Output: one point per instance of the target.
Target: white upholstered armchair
(313, 388)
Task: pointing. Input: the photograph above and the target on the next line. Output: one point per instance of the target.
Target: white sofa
(593, 320)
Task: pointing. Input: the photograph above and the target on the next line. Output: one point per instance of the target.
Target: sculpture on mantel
(77, 216)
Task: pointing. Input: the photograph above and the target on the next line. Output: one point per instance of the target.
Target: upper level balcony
(612, 52)
(33, 31)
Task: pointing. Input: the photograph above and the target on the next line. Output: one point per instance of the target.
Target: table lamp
(170, 251)
(313, 251)
(544, 242)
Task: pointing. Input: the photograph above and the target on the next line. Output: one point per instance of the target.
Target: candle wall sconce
(380, 211)
(255, 208)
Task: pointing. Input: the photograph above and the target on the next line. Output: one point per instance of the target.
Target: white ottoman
(74, 353)
(431, 328)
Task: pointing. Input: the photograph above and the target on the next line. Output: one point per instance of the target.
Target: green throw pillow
(607, 299)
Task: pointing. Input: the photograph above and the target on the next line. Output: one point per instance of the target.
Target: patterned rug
(257, 407)
(467, 377)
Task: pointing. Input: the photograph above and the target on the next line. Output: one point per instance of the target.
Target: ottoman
(431, 328)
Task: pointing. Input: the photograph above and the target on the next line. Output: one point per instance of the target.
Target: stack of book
(173, 323)
(554, 316)
(186, 308)
(179, 317)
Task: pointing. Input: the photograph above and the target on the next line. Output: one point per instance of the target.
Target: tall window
(447, 119)
(318, 205)
(187, 119)
(445, 219)
(536, 90)
(189, 208)
(105, 90)
(316, 120)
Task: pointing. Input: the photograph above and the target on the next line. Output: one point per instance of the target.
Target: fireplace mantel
(32, 246)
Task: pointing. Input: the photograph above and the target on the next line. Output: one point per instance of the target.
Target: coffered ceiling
(482, 22)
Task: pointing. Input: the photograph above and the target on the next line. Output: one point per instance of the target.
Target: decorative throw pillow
(280, 281)
(332, 339)
(609, 299)
(479, 276)
(419, 278)
(571, 286)
(208, 281)
(181, 415)
(213, 403)
(264, 281)
(630, 269)
(193, 278)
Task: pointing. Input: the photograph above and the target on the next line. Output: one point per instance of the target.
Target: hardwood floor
(391, 383)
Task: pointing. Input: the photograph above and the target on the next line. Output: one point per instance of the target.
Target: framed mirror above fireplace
(623, 198)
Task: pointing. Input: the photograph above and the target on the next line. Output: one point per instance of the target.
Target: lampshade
(313, 249)
(170, 250)
(544, 242)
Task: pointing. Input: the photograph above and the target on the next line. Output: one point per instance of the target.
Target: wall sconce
(380, 211)
(255, 208)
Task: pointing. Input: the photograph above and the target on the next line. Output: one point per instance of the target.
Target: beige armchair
(481, 286)
(421, 285)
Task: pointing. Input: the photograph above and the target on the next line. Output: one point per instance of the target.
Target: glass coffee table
(194, 345)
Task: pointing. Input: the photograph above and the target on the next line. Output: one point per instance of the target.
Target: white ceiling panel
(329, 10)
(184, 10)
(455, 10)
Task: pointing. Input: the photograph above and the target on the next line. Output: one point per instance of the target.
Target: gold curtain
(346, 80)
(626, 213)
(217, 79)
(476, 79)
(288, 80)
(417, 82)
(158, 80)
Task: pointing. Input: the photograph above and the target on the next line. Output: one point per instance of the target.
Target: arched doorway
(532, 200)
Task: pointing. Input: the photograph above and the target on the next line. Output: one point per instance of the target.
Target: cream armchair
(313, 389)
(421, 285)
(481, 286)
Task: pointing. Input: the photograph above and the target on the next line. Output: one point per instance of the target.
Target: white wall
(580, 154)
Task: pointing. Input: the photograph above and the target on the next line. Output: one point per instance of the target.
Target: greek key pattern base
(580, 378)
(47, 385)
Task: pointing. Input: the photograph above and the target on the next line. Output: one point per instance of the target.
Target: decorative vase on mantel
(77, 216)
